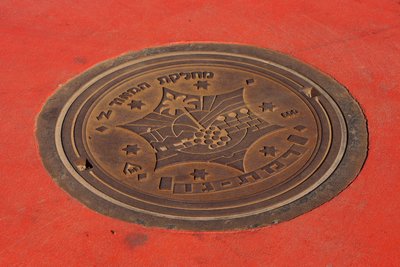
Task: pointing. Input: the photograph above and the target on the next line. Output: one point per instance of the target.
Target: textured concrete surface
(45, 43)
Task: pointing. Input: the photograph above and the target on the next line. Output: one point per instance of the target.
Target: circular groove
(203, 136)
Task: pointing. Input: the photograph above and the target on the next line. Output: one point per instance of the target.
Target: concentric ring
(300, 142)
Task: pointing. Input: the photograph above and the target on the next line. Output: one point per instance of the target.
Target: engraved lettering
(206, 187)
(297, 139)
(188, 188)
(116, 101)
(300, 128)
(104, 115)
(125, 95)
(249, 81)
(226, 183)
(179, 140)
(143, 85)
(174, 77)
(164, 79)
(133, 90)
(208, 75)
(165, 183)
(244, 178)
(198, 74)
(129, 93)
(187, 75)
(142, 176)
(289, 113)
(273, 167)
(291, 151)
(178, 188)
(131, 168)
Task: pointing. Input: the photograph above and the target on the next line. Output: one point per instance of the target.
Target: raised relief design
(199, 174)
(136, 104)
(131, 149)
(267, 106)
(131, 168)
(212, 128)
(268, 151)
(191, 135)
(204, 139)
(201, 135)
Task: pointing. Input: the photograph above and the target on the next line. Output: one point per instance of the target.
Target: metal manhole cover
(203, 136)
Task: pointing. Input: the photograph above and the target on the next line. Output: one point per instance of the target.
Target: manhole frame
(349, 167)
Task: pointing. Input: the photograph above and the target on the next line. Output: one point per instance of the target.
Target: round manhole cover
(203, 136)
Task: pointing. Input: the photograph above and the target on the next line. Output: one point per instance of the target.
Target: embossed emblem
(201, 139)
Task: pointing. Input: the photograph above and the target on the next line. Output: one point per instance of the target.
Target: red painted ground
(44, 44)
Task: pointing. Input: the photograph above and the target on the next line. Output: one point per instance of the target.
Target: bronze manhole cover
(203, 136)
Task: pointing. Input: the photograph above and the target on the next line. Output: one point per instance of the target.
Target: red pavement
(45, 43)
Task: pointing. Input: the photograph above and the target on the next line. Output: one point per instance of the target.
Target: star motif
(267, 106)
(269, 150)
(199, 174)
(201, 84)
(136, 104)
(131, 149)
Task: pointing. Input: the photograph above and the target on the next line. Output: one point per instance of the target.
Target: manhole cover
(203, 136)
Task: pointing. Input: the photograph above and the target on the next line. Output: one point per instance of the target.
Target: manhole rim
(45, 135)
